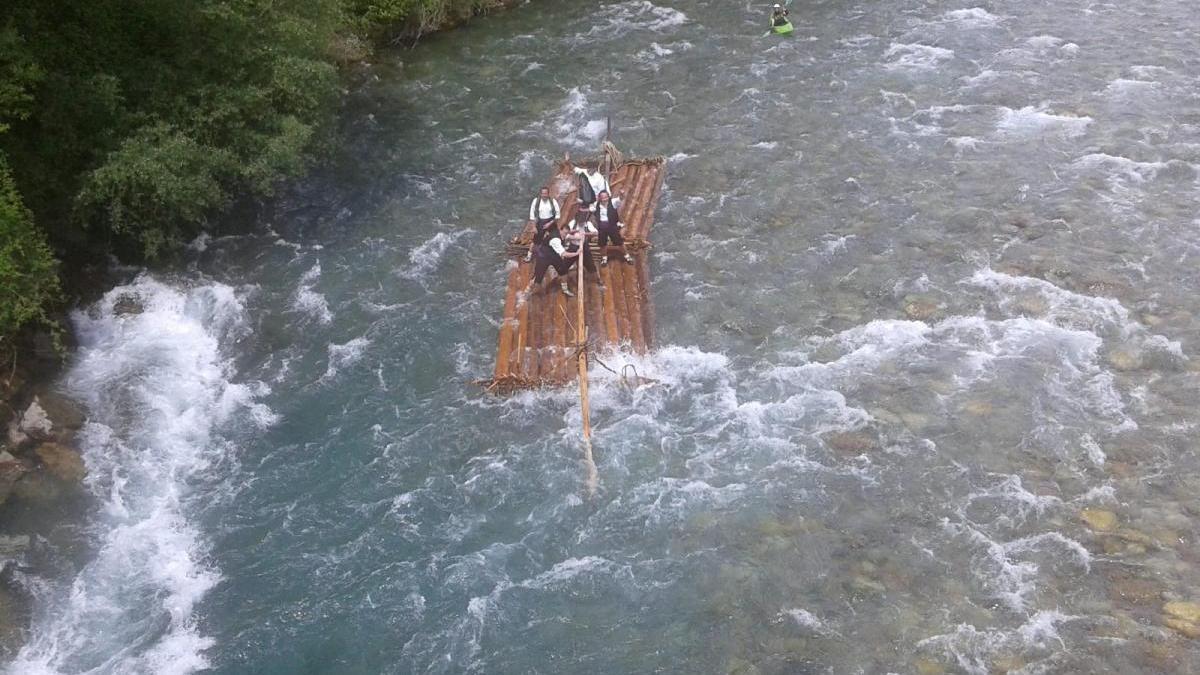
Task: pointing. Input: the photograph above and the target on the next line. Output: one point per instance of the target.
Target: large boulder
(62, 462)
(63, 412)
(37, 489)
(128, 303)
(13, 546)
(11, 470)
(49, 417)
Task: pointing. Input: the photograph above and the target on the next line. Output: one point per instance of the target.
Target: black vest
(586, 194)
(546, 250)
(612, 214)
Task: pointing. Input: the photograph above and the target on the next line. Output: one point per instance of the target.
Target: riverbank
(41, 480)
(42, 471)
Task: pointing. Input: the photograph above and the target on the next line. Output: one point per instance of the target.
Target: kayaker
(608, 227)
(594, 178)
(543, 211)
(779, 15)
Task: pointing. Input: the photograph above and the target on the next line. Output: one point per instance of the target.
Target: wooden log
(522, 316)
(660, 174)
(620, 306)
(633, 223)
(634, 304)
(612, 337)
(642, 266)
(559, 340)
(536, 330)
(597, 331)
(505, 341)
(641, 228)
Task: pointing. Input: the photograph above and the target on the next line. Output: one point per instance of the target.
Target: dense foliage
(125, 124)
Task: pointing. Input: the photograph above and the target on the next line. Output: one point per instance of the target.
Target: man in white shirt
(576, 234)
(594, 178)
(551, 252)
(543, 211)
(608, 226)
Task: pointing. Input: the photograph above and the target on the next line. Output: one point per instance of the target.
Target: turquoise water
(924, 281)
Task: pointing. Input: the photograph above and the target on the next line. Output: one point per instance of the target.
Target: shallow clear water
(925, 283)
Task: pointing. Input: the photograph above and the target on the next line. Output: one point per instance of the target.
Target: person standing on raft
(551, 252)
(608, 227)
(576, 236)
(543, 211)
(779, 15)
(596, 181)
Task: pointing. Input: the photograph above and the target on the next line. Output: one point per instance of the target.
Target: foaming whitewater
(158, 387)
(577, 120)
(425, 258)
(916, 57)
(309, 301)
(921, 398)
(1032, 121)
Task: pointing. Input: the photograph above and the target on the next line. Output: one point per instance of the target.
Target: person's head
(592, 168)
(544, 193)
(602, 197)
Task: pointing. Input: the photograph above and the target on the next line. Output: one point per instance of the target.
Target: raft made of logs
(537, 343)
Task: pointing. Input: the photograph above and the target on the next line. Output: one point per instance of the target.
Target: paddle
(768, 33)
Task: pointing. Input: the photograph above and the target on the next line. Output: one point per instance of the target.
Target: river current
(926, 295)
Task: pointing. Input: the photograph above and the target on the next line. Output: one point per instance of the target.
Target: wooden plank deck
(536, 344)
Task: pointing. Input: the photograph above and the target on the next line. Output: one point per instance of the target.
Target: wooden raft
(537, 342)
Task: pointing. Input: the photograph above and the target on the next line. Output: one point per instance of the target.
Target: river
(926, 294)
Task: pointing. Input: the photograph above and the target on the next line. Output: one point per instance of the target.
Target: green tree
(28, 271)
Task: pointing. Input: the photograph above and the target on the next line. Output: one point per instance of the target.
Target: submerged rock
(37, 488)
(1136, 591)
(1099, 519)
(13, 546)
(62, 462)
(1188, 628)
(851, 442)
(128, 303)
(63, 412)
(927, 666)
(11, 471)
(978, 407)
(920, 308)
(1185, 611)
(1124, 359)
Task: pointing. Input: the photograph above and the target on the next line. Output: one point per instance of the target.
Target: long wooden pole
(581, 336)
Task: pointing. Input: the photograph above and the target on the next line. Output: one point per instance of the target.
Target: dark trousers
(539, 231)
(609, 232)
(588, 263)
(544, 261)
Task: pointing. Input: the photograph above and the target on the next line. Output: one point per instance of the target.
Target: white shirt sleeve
(557, 245)
(533, 209)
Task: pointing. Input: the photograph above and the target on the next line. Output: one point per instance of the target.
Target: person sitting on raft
(551, 252)
(779, 15)
(543, 211)
(608, 225)
(594, 178)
